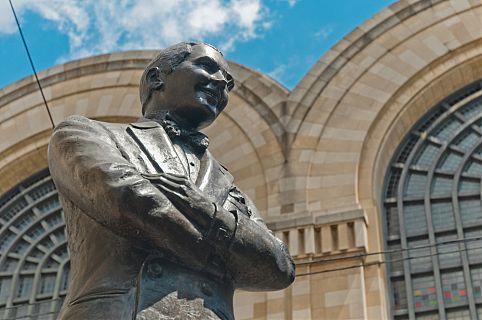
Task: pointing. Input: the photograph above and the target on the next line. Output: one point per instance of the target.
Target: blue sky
(282, 38)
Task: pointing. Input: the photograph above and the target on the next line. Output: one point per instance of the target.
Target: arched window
(433, 213)
(34, 260)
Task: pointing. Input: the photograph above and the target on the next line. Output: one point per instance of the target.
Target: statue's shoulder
(81, 122)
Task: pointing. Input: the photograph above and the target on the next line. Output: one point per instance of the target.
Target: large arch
(247, 139)
(314, 159)
(106, 88)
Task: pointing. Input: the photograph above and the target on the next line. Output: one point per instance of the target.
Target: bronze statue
(156, 227)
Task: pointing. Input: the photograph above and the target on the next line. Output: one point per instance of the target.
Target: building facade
(369, 169)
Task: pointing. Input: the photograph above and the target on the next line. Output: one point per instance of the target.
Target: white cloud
(292, 3)
(324, 32)
(278, 72)
(94, 26)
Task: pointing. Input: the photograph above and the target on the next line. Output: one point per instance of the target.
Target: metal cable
(31, 63)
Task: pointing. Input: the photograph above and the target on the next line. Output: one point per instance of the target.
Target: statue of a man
(156, 227)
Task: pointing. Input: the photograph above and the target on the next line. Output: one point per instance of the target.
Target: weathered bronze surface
(156, 227)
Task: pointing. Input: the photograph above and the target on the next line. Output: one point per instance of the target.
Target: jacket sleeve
(89, 170)
(257, 259)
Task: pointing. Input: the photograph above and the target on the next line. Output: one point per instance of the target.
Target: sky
(281, 38)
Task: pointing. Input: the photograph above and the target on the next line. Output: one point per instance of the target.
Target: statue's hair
(167, 60)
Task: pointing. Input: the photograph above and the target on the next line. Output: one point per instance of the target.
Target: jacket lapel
(213, 179)
(155, 143)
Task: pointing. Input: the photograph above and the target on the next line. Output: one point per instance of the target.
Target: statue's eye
(230, 81)
(208, 66)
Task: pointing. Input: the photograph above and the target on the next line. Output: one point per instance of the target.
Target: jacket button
(154, 268)
(206, 290)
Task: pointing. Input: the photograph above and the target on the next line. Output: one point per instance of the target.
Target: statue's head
(189, 82)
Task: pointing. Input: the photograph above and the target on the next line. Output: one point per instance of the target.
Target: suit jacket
(131, 249)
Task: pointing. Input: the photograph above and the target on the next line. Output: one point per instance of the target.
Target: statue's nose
(219, 79)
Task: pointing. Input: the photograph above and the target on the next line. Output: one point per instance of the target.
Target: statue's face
(196, 91)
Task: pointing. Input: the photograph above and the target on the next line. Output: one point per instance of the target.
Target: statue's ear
(154, 78)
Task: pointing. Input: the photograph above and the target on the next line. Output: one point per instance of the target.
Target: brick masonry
(313, 159)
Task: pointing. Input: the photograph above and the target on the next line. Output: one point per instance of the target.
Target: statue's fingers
(169, 192)
(175, 177)
(151, 177)
(169, 183)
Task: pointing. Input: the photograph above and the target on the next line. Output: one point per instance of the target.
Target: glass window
(427, 155)
(400, 294)
(419, 253)
(451, 144)
(468, 140)
(442, 186)
(442, 216)
(474, 245)
(5, 290)
(6, 239)
(24, 286)
(424, 292)
(448, 252)
(47, 284)
(474, 168)
(472, 109)
(458, 315)
(42, 190)
(470, 212)
(416, 185)
(415, 221)
(21, 217)
(8, 213)
(451, 162)
(469, 186)
(393, 224)
(393, 182)
(453, 286)
(476, 275)
(428, 316)
(24, 221)
(396, 258)
(447, 129)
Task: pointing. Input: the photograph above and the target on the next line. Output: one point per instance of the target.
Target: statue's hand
(186, 197)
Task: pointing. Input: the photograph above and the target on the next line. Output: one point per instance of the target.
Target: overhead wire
(361, 255)
(31, 63)
(386, 261)
(345, 267)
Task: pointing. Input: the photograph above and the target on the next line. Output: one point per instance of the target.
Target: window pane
(416, 185)
(397, 257)
(469, 186)
(400, 294)
(443, 216)
(474, 246)
(442, 186)
(474, 168)
(422, 261)
(458, 315)
(467, 141)
(430, 316)
(447, 129)
(449, 255)
(393, 225)
(472, 109)
(427, 155)
(476, 274)
(415, 222)
(424, 293)
(470, 212)
(453, 287)
(451, 162)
